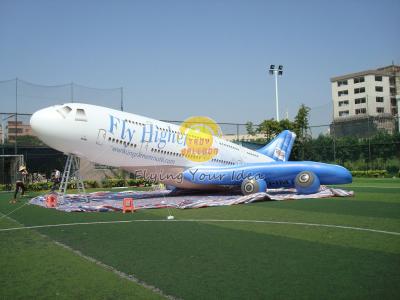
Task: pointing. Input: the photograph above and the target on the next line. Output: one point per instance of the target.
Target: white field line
(9, 213)
(207, 221)
(374, 186)
(129, 277)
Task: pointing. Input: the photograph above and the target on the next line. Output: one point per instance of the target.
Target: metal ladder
(72, 167)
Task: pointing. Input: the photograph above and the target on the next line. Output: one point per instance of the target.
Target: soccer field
(311, 249)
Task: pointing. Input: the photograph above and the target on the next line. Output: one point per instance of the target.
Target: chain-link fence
(360, 143)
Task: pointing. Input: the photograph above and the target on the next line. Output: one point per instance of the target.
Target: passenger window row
(228, 145)
(134, 122)
(166, 152)
(176, 154)
(252, 154)
(222, 161)
(168, 130)
(164, 129)
(171, 153)
(158, 127)
(121, 142)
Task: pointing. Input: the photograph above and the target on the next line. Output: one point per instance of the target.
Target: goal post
(9, 165)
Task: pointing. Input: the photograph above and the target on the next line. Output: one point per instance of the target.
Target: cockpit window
(65, 110)
(80, 115)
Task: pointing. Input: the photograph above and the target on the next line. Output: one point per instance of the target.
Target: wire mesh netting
(358, 142)
(25, 97)
(18, 100)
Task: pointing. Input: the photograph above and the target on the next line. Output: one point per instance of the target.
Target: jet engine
(307, 182)
(251, 186)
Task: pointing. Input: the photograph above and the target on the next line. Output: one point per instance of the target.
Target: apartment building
(18, 128)
(365, 94)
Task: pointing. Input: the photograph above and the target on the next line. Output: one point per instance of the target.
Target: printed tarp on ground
(112, 201)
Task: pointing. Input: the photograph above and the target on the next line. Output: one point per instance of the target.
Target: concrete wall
(91, 171)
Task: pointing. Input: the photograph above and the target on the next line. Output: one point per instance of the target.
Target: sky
(177, 59)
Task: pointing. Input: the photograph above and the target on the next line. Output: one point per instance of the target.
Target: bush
(42, 186)
(132, 182)
(370, 173)
(3, 187)
(139, 182)
(106, 183)
(110, 183)
(117, 182)
(392, 169)
(91, 184)
(7, 187)
(39, 186)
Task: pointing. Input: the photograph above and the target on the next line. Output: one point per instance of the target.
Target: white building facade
(370, 93)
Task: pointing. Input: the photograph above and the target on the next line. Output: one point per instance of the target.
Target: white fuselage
(141, 145)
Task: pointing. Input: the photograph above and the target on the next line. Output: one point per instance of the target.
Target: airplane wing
(234, 175)
(272, 175)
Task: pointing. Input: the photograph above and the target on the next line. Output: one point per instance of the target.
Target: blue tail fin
(280, 147)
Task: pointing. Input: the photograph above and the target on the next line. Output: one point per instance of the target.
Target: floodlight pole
(276, 95)
(276, 71)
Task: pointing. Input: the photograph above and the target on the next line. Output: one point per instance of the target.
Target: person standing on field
(20, 182)
(56, 178)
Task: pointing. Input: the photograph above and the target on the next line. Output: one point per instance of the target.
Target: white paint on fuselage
(132, 142)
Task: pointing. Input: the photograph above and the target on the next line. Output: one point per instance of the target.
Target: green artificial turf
(233, 260)
(33, 267)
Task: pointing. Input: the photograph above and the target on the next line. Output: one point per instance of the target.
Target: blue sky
(177, 59)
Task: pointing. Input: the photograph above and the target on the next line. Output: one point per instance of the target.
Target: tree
(322, 148)
(27, 140)
(250, 128)
(380, 151)
(285, 124)
(270, 128)
(301, 125)
(347, 149)
(301, 122)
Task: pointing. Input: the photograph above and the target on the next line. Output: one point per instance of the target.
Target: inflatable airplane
(155, 150)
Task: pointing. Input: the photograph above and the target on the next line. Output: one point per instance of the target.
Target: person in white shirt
(21, 178)
(56, 178)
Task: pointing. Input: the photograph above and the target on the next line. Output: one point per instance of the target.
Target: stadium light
(276, 72)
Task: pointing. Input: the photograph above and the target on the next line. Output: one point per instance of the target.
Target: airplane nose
(333, 174)
(347, 175)
(35, 122)
(343, 175)
(38, 122)
(44, 123)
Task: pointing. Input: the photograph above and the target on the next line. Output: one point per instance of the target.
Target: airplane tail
(280, 147)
